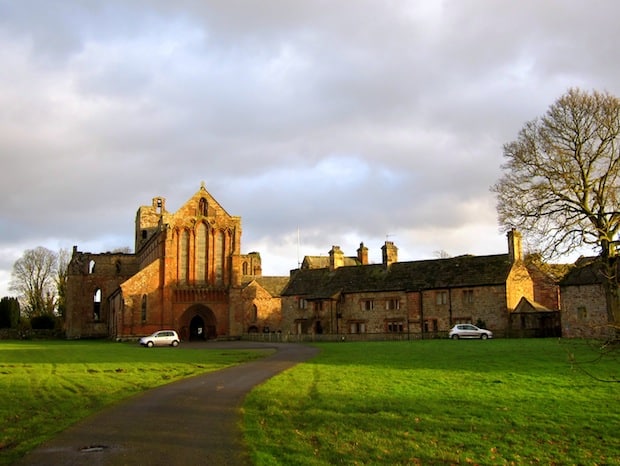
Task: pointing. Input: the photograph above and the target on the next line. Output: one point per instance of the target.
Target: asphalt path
(193, 421)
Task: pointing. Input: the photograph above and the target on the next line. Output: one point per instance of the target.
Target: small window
(357, 327)
(468, 296)
(461, 320)
(582, 313)
(392, 304)
(318, 305)
(91, 266)
(254, 315)
(202, 207)
(302, 303)
(143, 234)
(368, 305)
(430, 325)
(395, 327)
(441, 298)
(97, 305)
(143, 308)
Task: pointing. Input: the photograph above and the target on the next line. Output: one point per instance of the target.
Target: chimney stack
(336, 258)
(515, 252)
(362, 254)
(390, 253)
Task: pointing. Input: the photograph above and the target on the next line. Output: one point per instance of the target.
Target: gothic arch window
(201, 253)
(254, 315)
(183, 256)
(219, 257)
(97, 305)
(91, 267)
(202, 207)
(143, 309)
(118, 266)
(245, 268)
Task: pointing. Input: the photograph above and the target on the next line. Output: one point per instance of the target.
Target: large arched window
(183, 256)
(219, 257)
(201, 253)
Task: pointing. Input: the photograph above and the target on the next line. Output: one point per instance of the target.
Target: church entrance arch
(197, 329)
(199, 323)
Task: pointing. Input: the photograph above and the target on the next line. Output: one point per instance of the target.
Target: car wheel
(455, 337)
(175, 343)
(149, 344)
(484, 336)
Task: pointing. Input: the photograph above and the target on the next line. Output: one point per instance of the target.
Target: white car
(161, 338)
(469, 331)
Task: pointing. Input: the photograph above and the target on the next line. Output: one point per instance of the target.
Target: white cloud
(349, 121)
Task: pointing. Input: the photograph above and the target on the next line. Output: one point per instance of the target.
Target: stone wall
(88, 273)
(583, 311)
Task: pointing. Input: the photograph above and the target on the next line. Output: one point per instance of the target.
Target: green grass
(439, 402)
(420, 402)
(45, 386)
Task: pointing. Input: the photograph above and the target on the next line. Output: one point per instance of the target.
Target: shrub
(43, 322)
(9, 312)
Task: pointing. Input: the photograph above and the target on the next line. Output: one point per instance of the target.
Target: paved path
(193, 421)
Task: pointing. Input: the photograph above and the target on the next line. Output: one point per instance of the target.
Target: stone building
(422, 297)
(584, 306)
(187, 274)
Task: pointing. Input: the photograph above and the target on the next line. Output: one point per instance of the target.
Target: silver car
(161, 338)
(469, 331)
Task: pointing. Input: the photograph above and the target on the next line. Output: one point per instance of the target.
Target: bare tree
(64, 257)
(441, 254)
(561, 182)
(33, 278)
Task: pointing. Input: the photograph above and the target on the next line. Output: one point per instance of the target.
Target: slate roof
(527, 306)
(273, 285)
(320, 262)
(461, 271)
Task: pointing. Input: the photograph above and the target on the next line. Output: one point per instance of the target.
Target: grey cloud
(349, 121)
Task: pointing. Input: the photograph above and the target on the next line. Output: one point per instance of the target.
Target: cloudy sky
(343, 121)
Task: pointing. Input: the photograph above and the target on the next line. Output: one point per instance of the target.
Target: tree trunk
(610, 283)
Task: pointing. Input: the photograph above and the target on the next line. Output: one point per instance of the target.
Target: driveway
(193, 421)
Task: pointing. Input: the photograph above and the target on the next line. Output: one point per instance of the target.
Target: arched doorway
(197, 329)
(199, 321)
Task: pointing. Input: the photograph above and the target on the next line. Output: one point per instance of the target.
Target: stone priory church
(187, 273)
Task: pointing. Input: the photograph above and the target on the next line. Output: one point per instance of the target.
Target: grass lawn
(439, 402)
(45, 386)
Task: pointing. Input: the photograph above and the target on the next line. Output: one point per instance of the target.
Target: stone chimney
(390, 253)
(515, 252)
(336, 258)
(362, 254)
